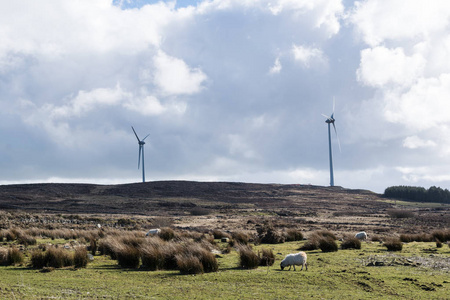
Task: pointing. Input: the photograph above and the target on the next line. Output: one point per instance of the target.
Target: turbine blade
(334, 103)
(145, 137)
(139, 159)
(337, 136)
(135, 134)
(325, 116)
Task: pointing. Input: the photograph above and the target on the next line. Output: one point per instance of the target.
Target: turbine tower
(330, 120)
(141, 150)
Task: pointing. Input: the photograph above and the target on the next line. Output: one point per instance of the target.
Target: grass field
(419, 271)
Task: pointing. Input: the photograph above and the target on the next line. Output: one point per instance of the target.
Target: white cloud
(424, 106)
(381, 66)
(276, 68)
(378, 21)
(173, 76)
(414, 142)
(326, 13)
(308, 56)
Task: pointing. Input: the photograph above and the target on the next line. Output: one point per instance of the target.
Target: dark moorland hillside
(228, 205)
(172, 197)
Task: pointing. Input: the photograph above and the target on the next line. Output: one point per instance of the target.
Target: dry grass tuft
(247, 258)
(393, 244)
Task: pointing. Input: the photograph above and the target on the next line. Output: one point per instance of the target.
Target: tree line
(418, 194)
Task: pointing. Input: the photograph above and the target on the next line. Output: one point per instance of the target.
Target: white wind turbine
(141, 150)
(330, 120)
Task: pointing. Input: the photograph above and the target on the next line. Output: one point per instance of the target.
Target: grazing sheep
(293, 260)
(361, 235)
(156, 231)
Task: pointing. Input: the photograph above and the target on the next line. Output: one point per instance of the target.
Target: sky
(229, 90)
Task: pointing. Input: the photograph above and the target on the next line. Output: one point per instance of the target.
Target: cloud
(308, 55)
(378, 22)
(381, 66)
(276, 68)
(414, 142)
(173, 76)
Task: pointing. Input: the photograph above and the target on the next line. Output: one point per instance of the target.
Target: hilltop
(228, 205)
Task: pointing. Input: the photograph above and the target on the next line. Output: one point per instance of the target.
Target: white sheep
(293, 260)
(155, 231)
(361, 235)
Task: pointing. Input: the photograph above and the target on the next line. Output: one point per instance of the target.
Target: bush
(15, 257)
(351, 243)
(393, 244)
(293, 235)
(189, 264)
(327, 244)
(247, 258)
(438, 244)
(80, 257)
(266, 257)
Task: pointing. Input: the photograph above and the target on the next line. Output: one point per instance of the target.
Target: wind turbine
(141, 150)
(330, 120)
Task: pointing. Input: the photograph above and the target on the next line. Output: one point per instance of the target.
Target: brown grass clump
(58, 258)
(3, 256)
(10, 236)
(441, 235)
(15, 257)
(247, 258)
(80, 257)
(26, 240)
(400, 213)
(327, 244)
(266, 257)
(152, 256)
(128, 256)
(38, 259)
(326, 234)
(293, 235)
(393, 244)
(351, 242)
(268, 235)
(167, 234)
(219, 234)
(208, 260)
(416, 237)
(240, 237)
(189, 264)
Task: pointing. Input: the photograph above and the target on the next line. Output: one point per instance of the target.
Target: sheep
(155, 231)
(361, 235)
(293, 260)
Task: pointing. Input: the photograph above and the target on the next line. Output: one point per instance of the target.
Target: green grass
(334, 275)
(416, 204)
